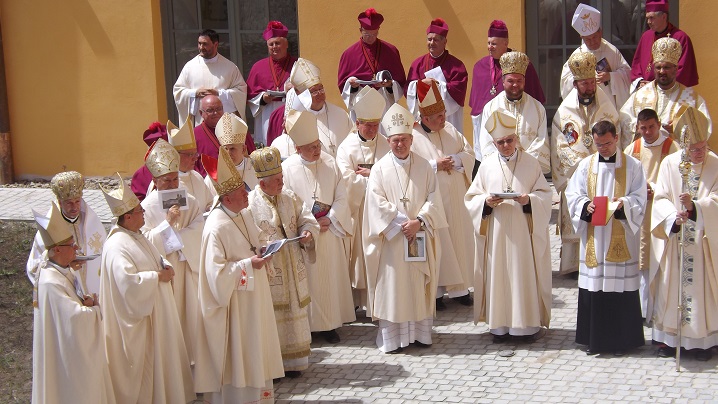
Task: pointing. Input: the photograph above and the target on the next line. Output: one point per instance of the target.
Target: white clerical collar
(228, 212)
(210, 60)
(658, 142)
(63, 270)
(436, 57)
(511, 157)
(321, 110)
(670, 90)
(240, 166)
(183, 173)
(67, 219)
(306, 163)
(401, 162)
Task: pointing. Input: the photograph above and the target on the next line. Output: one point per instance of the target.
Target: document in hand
(276, 245)
(603, 211)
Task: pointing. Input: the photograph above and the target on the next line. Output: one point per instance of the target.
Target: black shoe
(330, 336)
(499, 339)
(666, 351)
(591, 352)
(440, 306)
(396, 351)
(703, 355)
(421, 344)
(465, 300)
(292, 374)
(619, 353)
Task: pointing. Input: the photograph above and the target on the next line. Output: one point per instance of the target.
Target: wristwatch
(421, 221)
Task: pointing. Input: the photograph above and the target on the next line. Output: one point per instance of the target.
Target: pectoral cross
(314, 197)
(404, 200)
(333, 148)
(509, 190)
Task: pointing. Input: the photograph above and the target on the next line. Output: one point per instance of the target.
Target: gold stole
(617, 248)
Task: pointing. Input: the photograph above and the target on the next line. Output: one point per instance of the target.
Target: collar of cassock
(67, 219)
(401, 162)
(228, 212)
(611, 159)
(426, 128)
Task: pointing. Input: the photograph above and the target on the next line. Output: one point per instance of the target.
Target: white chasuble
(666, 103)
(700, 280)
(571, 142)
(329, 285)
(607, 274)
(455, 271)
(145, 348)
(279, 217)
(238, 344)
(400, 291)
(512, 283)
(218, 73)
(530, 123)
(68, 343)
(353, 153)
(193, 182)
(185, 261)
(89, 235)
(333, 125)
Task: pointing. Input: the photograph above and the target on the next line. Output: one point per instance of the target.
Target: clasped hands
(410, 228)
(494, 201)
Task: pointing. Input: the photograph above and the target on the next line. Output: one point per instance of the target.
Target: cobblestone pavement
(463, 364)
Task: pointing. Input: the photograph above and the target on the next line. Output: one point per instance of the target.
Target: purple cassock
(274, 130)
(454, 72)
(208, 144)
(142, 177)
(364, 61)
(487, 76)
(267, 74)
(642, 66)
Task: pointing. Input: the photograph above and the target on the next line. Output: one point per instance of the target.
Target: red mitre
(275, 29)
(210, 165)
(370, 19)
(498, 29)
(656, 5)
(439, 27)
(154, 132)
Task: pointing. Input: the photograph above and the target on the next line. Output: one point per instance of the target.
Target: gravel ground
(90, 183)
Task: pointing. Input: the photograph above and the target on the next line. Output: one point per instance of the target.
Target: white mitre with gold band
(666, 50)
(53, 229)
(67, 185)
(397, 120)
(162, 158)
(514, 62)
(304, 75)
(302, 127)
(231, 129)
(582, 65)
(222, 172)
(181, 138)
(120, 200)
(369, 105)
(500, 124)
(696, 125)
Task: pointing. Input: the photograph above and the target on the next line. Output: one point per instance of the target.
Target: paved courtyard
(464, 365)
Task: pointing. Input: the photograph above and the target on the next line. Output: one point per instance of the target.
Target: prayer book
(416, 250)
(276, 245)
(603, 66)
(603, 211)
(171, 197)
(320, 209)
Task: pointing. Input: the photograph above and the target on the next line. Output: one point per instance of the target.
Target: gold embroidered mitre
(162, 158)
(500, 124)
(397, 120)
(122, 199)
(181, 138)
(666, 50)
(582, 65)
(231, 129)
(53, 229)
(696, 125)
(266, 161)
(222, 172)
(304, 75)
(514, 62)
(430, 101)
(302, 127)
(369, 105)
(67, 185)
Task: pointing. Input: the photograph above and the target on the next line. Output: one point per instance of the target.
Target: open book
(603, 211)
(276, 245)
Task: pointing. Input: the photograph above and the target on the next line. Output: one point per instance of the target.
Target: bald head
(211, 110)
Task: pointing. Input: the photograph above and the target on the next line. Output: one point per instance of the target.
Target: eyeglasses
(602, 145)
(73, 245)
(317, 91)
(505, 142)
(212, 111)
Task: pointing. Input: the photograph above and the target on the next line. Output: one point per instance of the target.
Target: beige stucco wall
(85, 79)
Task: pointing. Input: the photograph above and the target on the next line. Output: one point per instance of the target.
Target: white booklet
(276, 245)
(416, 250)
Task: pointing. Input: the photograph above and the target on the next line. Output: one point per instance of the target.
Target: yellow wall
(334, 27)
(85, 78)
